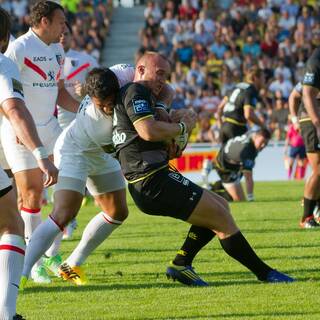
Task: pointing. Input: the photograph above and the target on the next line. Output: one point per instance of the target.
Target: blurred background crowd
(212, 44)
(90, 20)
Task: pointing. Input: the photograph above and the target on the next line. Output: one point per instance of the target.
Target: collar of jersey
(35, 36)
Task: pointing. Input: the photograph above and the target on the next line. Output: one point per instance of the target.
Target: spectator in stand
(281, 85)
(169, 25)
(279, 117)
(164, 47)
(187, 11)
(218, 47)
(269, 45)
(285, 71)
(290, 7)
(206, 132)
(153, 10)
(251, 47)
(286, 21)
(203, 20)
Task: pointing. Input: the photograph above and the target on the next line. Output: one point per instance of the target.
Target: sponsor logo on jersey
(140, 106)
(118, 138)
(51, 76)
(17, 87)
(308, 78)
(36, 59)
(74, 63)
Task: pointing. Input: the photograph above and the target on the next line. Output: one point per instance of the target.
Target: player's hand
(78, 89)
(190, 120)
(173, 150)
(50, 172)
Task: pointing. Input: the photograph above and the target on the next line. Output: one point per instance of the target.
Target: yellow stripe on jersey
(304, 120)
(233, 121)
(145, 117)
(148, 175)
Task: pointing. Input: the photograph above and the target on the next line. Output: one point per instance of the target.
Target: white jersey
(41, 68)
(76, 67)
(10, 87)
(92, 129)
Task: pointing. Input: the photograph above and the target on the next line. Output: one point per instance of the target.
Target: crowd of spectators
(89, 19)
(211, 44)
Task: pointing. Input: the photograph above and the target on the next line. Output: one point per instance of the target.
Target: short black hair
(101, 83)
(43, 9)
(5, 24)
(265, 133)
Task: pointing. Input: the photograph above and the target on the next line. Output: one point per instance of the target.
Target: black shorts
(309, 136)
(166, 193)
(231, 130)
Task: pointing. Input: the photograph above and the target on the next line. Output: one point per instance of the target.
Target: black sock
(196, 239)
(308, 207)
(237, 247)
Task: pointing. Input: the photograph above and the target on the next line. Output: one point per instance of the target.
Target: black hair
(101, 83)
(5, 24)
(43, 9)
(265, 133)
(69, 27)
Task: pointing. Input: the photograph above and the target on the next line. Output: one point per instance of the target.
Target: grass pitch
(127, 273)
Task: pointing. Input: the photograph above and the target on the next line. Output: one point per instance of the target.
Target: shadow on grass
(245, 315)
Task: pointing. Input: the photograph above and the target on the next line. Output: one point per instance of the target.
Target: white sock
(31, 219)
(97, 230)
(40, 241)
(12, 249)
(54, 248)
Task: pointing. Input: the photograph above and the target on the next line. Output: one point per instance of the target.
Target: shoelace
(68, 270)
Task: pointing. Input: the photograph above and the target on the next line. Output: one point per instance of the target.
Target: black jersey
(138, 158)
(237, 154)
(243, 94)
(311, 78)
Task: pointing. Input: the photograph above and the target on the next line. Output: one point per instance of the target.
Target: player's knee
(119, 212)
(31, 198)
(62, 216)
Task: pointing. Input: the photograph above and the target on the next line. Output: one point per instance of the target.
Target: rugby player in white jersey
(40, 61)
(81, 158)
(12, 245)
(76, 67)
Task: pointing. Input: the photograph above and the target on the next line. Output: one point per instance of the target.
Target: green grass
(127, 278)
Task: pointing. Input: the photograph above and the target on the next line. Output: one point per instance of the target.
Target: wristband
(40, 153)
(183, 128)
(294, 119)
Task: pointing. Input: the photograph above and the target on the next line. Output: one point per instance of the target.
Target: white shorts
(17, 155)
(4, 180)
(97, 170)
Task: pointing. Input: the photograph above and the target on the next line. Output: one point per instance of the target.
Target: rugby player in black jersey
(236, 156)
(141, 147)
(309, 122)
(235, 111)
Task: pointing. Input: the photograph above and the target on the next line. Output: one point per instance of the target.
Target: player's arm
(294, 101)
(220, 111)
(22, 122)
(65, 100)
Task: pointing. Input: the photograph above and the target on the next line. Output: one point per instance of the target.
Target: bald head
(152, 70)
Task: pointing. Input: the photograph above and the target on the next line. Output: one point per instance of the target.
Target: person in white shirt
(12, 245)
(82, 156)
(40, 61)
(76, 67)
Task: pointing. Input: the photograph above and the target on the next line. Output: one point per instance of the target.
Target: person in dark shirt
(236, 156)
(238, 109)
(142, 143)
(309, 121)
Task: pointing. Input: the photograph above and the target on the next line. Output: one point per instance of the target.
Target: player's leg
(235, 190)
(66, 206)
(311, 189)
(114, 211)
(311, 192)
(12, 249)
(211, 213)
